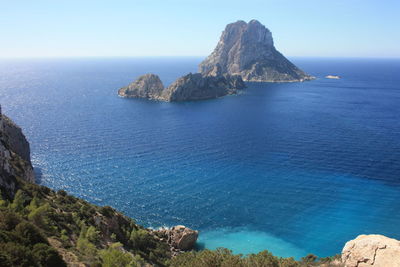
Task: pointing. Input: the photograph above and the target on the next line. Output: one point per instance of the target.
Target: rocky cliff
(187, 88)
(14, 156)
(247, 49)
(146, 86)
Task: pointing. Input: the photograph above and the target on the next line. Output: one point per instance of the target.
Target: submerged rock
(146, 86)
(247, 49)
(372, 251)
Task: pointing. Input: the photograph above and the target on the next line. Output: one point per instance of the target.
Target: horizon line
(184, 56)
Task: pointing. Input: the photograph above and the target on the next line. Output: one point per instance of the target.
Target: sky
(96, 28)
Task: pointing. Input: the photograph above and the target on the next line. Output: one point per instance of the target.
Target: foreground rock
(247, 49)
(146, 86)
(371, 251)
(187, 88)
(180, 238)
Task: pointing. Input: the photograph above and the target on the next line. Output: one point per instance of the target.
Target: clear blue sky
(76, 28)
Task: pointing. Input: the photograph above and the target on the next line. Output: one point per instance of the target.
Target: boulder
(371, 251)
(182, 238)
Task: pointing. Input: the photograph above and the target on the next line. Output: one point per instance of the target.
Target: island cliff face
(187, 88)
(247, 49)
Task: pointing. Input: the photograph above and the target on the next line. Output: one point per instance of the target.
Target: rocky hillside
(247, 49)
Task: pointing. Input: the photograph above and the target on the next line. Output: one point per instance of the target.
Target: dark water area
(294, 168)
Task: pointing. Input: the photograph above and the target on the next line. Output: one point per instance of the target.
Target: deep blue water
(294, 168)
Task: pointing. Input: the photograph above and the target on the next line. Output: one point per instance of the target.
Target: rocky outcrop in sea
(247, 49)
(187, 88)
(146, 86)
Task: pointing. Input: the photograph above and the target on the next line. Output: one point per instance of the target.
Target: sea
(293, 168)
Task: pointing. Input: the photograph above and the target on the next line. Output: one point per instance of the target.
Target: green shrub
(115, 257)
(140, 239)
(30, 233)
(47, 256)
(86, 248)
(8, 220)
(107, 211)
(92, 234)
(16, 255)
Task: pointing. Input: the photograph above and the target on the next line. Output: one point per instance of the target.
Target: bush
(115, 257)
(92, 234)
(30, 233)
(16, 255)
(8, 220)
(107, 211)
(47, 256)
(140, 239)
(85, 247)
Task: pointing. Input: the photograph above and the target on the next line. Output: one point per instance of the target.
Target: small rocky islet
(245, 52)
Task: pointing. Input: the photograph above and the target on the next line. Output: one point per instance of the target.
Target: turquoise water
(294, 168)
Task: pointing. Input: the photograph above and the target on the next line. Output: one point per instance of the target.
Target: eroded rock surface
(371, 251)
(247, 49)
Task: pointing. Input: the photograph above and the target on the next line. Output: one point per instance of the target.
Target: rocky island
(187, 88)
(247, 49)
(245, 52)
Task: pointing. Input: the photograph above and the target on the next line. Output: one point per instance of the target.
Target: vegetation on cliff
(41, 227)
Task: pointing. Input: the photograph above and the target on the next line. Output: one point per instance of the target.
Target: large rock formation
(247, 49)
(189, 87)
(146, 86)
(371, 251)
(14, 156)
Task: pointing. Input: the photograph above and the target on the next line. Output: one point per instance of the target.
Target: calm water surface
(294, 168)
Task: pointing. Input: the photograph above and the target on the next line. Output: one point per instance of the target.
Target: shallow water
(294, 168)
